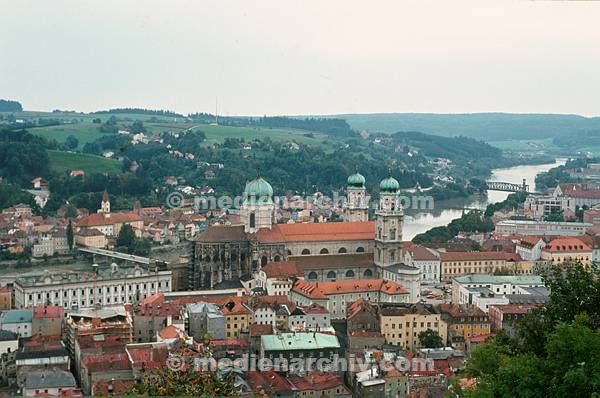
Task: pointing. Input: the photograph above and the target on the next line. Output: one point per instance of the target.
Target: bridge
(116, 255)
(507, 186)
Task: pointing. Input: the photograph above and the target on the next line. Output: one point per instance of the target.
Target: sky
(302, 57)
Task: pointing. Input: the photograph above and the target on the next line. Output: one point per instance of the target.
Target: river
(416, 221)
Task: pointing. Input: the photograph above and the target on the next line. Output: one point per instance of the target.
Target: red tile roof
(48, 311)
(317, 382)
(148, 356)
(105, 362)
(514, 308)
(580, 191)
(321, 290)
(119, 387)
(481, 338)
(159, 310)
(269, 381)
(460, 310)
(566, 245)
(260, 330)
(315, 308)
(420, 253)
(101, 219)
(314, 232)
(170, 332)
(278, 269)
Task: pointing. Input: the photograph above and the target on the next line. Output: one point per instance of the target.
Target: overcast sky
(302, 57)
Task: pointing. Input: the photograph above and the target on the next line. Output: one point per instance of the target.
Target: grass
(61, 162)
(524, 145)
(218, 134)
(84, 132)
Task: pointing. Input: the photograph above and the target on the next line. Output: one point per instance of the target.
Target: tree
(186, 379)
(555, 216)
(72, 142)
(70, 235)
(141, 247)
(430, 339)
(126, 236)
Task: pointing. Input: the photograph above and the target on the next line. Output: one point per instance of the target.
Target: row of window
(333, 275)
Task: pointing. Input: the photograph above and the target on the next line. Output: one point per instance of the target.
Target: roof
(48, 311)
(105, 362)
(356, 307)
(321, 290)
(223, 233)
(514, 308)
(498, 279)
(44, 379)
(298, 341)
(421, 253)
(96, 219)
(316, 382)
(315, 308)
(6, 335)
(148, 355)
(460, 310)
(396, 310)
(89, 232)
(471, 256)
(566, 245)
(277, 269)
(16, 316)
(580, 191)
(327, 261)
(158, 310)
(170, 332)
(259, 330)
(481, 338)
(315, 232)
(268, 380)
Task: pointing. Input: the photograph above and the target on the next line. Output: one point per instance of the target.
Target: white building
(465, 288)
(17, 321)
(530, 248)
(527, 227)
(84, 289)
(426, 260)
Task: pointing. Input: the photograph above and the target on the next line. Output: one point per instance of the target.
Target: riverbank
(444, 211)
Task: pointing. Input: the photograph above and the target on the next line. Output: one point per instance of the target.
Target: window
(305, 252)
(368, 273)
(252, 220)
(350, 274)
(331, 275)
(324, 251)
(360, 249)
(342, 250)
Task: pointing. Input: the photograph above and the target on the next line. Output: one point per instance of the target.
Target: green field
(84, 132)
(218, 134)
(61, 161)
(525, 145)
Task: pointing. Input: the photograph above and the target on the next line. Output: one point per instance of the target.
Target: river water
(418, 221)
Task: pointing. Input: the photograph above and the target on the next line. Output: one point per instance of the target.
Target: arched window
(277, 258)
(324, 251)
(289, 252)
(360, 249)
(305, 252)
(331, 275)
(312, 276)
(342, 250)
(350, 274)
(263, 260)
(368, 273)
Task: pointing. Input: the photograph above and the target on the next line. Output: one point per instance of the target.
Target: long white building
(109, 286)
(465, 288)
(526, 227)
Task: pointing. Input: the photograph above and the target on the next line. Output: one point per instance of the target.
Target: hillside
(61, 162)
(483, 126)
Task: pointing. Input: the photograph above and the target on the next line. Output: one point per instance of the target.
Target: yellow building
(237, 318)
(401, 325)
(90, 238)
(463, 321)
(563, 250)
(464, 263)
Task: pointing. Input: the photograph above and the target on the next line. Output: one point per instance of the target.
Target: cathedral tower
(388, 224)
(356, 207)
(258, 209)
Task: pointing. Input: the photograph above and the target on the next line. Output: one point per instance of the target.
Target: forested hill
(483, 126)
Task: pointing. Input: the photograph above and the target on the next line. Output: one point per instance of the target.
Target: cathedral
(228, 252)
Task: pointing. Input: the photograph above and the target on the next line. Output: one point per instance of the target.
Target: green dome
(356, 180)
(389, 184)
(258, 188)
